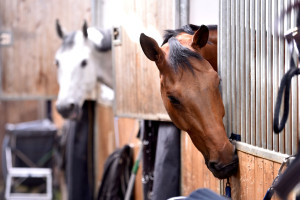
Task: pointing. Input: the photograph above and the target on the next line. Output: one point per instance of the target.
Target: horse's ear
(84, 29)
(59, 31)
(200, 38)
(150, 47)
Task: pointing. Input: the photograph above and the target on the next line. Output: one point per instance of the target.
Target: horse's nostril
(212, 165)
(72, 106)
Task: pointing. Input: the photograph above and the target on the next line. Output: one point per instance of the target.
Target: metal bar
(237, 68)
(287, 25)
(222, 64)
(263, 92)
(281, 67)
(26, 97)
(247, 72)
(228, 69)
(261, 152)
(232, 66)
(184, 12)
(176, 10)
(252, 75)
(258, 22)
(294, 106)
(241, 65)
(275, 66)
(269, 121)
(222, 61)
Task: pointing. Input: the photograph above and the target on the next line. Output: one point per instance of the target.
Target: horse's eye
(57, 63)
(173, 100)
(83, 63)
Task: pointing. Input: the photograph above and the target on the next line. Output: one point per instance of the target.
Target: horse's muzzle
(69, 111)
(222, 171)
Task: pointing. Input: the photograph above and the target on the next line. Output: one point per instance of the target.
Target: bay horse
(83, 58)
(189, 83)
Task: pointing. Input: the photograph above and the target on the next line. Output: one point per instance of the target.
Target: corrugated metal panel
(275, 81)
(247, 74)
(242, 71)
(269, 66)
(253, 60)
(252, 70)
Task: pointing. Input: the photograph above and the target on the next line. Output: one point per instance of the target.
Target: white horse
(83, 59)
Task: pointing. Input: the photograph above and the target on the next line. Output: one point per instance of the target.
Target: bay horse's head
(78, 66)
(189, 82)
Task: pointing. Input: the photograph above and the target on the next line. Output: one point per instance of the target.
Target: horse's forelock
(189, 29)
(179, 55)
(68, 41)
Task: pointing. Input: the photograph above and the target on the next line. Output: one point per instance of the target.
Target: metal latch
(117, 36)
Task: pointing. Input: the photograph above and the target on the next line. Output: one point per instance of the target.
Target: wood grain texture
(137, 78)
(105, 139)
(194, 173)
(108, 129)
(260, 177)
(254, 177)
(28, 65)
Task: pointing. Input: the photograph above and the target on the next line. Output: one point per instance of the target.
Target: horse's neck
(103, 64)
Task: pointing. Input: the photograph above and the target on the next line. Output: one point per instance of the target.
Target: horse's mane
(178, 56)
(189, 28)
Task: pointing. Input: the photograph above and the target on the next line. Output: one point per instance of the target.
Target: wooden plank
(276, 169)
(250, 176)
(148, 75)
(194, 173)
(127, 131)
(27, 66)
(238, 182)
(186, 164)
(259, 178)
(268, 175)
(137, 78)
(105, 138)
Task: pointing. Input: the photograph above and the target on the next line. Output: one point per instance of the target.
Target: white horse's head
(78, 63)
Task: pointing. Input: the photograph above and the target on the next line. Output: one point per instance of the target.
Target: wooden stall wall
(27, 69)
(27, 66)
(254, 177)
(111, 134)
(136, 77)
(194, 173)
